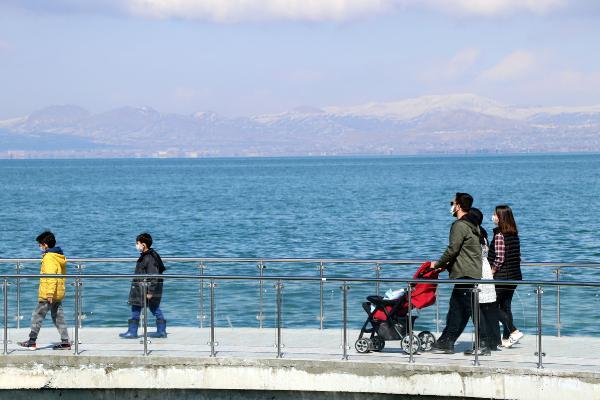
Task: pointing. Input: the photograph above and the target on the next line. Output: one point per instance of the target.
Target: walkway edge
(162, 373)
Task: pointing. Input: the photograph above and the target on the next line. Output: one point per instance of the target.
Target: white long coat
(488, 292)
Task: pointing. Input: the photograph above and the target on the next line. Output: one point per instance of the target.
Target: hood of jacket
(58, 259)
(472, 221)
(56, 250)
(470, 218)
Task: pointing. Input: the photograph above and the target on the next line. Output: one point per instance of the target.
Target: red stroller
(389, 318)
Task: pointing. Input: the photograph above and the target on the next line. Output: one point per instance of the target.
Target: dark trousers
(489, 331)
(504, 295)
(459, 312)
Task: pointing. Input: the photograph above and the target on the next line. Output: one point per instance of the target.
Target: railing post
(201, 315)
(411, 358)
(260, 317)
(540, 353)
(212, 318)
(558, 302)
(475, 295)
(76, 335)
(377, 276)
(5, 296)
(278, 288)
(437, 310)
(145, 314)
(345, 289)
(79, 320)
(321, 288)
(18, 315)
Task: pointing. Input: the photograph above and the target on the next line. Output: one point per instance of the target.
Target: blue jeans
(155, 310)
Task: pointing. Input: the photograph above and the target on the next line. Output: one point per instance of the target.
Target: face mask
(495, 219)
(139, 248)
(453, 210)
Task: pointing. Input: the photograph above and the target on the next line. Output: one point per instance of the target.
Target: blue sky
(241, 57)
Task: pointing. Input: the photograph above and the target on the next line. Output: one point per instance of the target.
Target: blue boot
(161, 329)
(132, 330)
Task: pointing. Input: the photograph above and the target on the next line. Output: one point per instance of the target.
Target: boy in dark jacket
(149, 263)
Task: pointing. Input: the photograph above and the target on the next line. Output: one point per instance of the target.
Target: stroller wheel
(427, 340)
(363, 345)
(406, 345)
(377, 343)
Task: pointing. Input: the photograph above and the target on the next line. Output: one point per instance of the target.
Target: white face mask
(139, 248)
(452, 212)
(495, 219)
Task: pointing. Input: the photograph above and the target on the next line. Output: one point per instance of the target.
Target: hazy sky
(240, 57)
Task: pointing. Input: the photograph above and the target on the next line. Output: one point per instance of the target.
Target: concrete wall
(299, 376)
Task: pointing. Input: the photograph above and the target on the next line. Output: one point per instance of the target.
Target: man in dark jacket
(149, 263)
(463, 260)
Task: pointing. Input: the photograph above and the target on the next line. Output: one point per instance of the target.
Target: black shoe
(482, 351)
(62, 346)
(442, 348)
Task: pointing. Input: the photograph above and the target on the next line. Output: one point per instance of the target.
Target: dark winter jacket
(462, 258)
(510, 270)
(148, 263)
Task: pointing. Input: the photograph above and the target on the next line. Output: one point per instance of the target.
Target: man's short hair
(464, 200)
(144, 238)
(46, 238)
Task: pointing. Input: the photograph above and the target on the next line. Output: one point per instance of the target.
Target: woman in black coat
(505, 258)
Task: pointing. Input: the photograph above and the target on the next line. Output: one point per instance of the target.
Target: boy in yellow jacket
(50, 294)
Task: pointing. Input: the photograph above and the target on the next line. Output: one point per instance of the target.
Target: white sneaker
(516, 336)
(506, 343)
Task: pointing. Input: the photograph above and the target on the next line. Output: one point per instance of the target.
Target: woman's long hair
(506, 221)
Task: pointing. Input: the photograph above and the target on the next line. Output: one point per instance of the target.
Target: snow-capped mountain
(411, 108)
(429, 124)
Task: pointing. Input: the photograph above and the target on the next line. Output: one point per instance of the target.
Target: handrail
(291, 260)
(299, 278)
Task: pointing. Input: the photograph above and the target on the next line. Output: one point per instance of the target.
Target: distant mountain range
(452, 124)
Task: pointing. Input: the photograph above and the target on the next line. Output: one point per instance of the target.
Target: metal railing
(345, 281)
(261, 265)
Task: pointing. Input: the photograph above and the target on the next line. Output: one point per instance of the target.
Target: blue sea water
(371, 207)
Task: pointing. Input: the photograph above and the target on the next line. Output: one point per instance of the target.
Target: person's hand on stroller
(433, 264)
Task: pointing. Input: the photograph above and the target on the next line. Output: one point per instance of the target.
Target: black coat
(148, 263)
(510, 270)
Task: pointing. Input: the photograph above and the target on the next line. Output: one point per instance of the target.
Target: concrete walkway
(312, 361)
(562, 354)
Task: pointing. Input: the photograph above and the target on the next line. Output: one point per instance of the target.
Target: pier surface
(246, 359)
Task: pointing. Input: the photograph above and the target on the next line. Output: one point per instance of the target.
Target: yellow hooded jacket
(54, 288)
